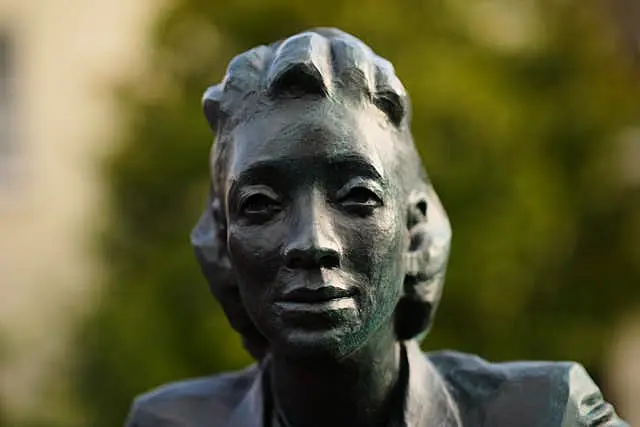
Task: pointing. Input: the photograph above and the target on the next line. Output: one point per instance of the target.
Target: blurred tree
(516, 113)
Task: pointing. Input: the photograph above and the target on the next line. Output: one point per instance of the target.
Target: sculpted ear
(425, 264)
(209, 242)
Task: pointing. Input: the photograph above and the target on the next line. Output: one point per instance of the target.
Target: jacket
(444, 389)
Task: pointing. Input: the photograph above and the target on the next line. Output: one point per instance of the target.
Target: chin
(333, 343)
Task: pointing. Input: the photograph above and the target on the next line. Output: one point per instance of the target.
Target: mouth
(318, 308)
(324, 294)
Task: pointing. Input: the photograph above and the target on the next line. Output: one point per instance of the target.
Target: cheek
(375, 247)
(253, 253)
(390, 237)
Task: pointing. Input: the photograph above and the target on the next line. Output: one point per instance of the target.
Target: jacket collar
(427, 401)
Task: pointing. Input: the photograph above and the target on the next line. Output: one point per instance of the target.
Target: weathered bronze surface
(327, 246)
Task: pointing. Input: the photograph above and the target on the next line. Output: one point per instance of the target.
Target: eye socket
(259, 206)
(360, 200)
(361, 195)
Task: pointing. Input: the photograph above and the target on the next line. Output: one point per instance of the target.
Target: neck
(361, 389)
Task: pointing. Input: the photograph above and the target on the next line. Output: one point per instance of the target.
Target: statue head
(321, 226)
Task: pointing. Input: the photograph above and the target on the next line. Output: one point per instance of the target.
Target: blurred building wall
(58, 61)
(624, 356)
(625, 369)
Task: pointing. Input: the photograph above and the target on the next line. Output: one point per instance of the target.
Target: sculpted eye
(361, 195)
(259, 206)
(360, 200)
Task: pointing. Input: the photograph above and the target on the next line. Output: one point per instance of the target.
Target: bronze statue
(327, 246)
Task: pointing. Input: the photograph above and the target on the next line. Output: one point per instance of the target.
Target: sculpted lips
(317, 295)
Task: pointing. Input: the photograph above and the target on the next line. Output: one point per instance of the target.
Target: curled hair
(320, 63)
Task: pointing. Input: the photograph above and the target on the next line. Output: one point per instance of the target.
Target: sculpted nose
(313, 243)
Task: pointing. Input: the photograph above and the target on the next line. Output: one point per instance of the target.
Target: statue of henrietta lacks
(326, 245)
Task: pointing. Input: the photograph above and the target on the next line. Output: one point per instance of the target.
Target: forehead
(314, 131)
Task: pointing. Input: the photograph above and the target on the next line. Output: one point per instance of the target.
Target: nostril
(295, 263)
(294, 258)
(297, 258)
(329, 260)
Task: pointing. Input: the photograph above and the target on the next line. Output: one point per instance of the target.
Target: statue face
(316, 224)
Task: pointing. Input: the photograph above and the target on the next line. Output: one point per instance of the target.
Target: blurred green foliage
(517, 130)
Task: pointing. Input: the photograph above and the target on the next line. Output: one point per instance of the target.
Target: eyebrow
(273, 171)
(356, 164)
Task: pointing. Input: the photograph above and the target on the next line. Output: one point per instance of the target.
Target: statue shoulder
(586, 405)
(193, 402)
(524, 393)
